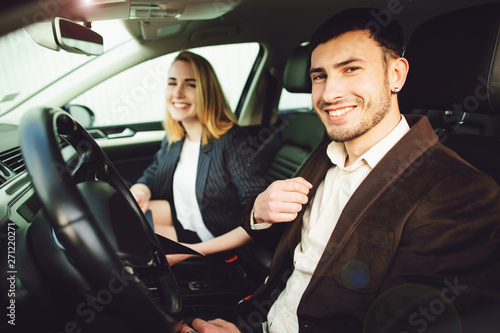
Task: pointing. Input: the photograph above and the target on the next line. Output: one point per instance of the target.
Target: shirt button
(286, 315)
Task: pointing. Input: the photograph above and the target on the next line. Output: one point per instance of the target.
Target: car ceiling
(278, 20)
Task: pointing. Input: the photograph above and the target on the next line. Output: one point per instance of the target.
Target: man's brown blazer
(415, 249)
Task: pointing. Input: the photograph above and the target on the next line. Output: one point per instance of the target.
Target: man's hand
(281, 201)
(211, 326)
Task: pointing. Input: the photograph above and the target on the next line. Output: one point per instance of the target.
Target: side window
(137, 94)
(294, 101)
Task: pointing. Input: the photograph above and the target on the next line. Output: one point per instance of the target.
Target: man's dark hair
(388, 34)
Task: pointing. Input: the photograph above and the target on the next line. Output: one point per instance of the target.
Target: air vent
(13, 159)
(4, 174)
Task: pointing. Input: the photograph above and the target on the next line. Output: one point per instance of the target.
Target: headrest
(455, 62)
(296, 77)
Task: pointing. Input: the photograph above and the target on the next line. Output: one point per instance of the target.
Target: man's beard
(373, 113)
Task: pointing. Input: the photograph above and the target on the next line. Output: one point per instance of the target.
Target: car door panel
(131, 148)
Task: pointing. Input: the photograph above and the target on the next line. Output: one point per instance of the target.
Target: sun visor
(181, 10)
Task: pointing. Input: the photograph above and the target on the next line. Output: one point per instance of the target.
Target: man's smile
(340, 111)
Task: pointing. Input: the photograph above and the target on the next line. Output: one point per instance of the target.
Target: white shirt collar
(337, 153)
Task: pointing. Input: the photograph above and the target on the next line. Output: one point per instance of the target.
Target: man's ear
(397, 73)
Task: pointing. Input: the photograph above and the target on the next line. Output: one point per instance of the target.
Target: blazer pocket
(363, 263)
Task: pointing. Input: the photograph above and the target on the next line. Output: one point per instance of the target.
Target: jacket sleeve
(150, 173)
(446, 270)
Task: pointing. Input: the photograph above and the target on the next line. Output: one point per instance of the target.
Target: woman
(201, 178)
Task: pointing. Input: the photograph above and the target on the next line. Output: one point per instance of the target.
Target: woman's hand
(177, 258)
(142, 195)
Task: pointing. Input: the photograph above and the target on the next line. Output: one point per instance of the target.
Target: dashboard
(17, 201)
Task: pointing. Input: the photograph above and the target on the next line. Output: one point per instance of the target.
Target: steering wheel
(98, 223)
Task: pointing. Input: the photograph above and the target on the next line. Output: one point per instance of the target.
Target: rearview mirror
(76, 38)
(63, 34)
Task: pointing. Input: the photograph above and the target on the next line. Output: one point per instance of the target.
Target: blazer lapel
(314, 173)
(202, 172)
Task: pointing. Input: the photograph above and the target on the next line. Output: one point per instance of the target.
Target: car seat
(454, 78)
(297, 132)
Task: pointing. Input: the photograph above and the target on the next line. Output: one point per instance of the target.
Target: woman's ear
(397, 74)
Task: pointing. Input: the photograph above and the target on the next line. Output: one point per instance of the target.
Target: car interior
(454, 79)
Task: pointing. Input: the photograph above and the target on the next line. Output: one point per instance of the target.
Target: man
(390, 231)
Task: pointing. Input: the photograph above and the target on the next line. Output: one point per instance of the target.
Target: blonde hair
(213, 110)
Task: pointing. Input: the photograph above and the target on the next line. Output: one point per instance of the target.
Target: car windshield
(22, 58)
